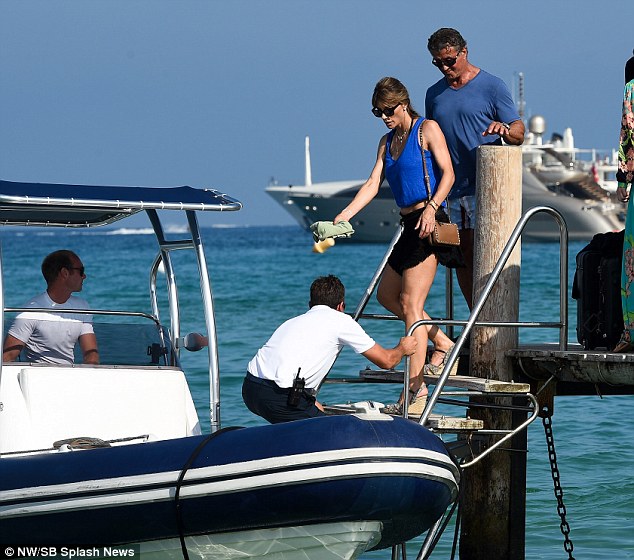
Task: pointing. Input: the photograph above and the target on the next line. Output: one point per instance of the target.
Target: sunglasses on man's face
(448, 62)
(388, 111)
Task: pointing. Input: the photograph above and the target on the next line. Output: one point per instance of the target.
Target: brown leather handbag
(445, 233)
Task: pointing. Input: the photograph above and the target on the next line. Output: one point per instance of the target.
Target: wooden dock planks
(608, 370)
(457, 381)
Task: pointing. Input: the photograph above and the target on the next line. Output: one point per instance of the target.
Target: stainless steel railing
(486, 292)
(561, 325)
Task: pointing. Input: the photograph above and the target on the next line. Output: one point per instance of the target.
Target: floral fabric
(625, 174)
(627, 276)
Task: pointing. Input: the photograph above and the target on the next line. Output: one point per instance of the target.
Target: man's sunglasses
(448, 62)
(80, 268)
(388, 111)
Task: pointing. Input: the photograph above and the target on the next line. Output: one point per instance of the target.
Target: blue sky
(221, 93)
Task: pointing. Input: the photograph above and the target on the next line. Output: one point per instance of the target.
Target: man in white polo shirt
(285, 374)
(50, 337)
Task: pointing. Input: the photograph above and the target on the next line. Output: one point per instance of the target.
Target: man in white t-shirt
(301, 352)
(51, 337)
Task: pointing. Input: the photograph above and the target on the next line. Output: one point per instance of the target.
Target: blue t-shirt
(405, 174)
(463, 115)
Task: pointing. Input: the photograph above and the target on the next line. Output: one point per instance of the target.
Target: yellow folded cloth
(325, 230)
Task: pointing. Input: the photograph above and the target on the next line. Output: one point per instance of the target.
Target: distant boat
(581, 189)
(552, 176)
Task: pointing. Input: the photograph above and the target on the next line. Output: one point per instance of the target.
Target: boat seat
(104, 403)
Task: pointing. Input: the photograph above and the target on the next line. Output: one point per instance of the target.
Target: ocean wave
(173, 228)
(176, 228)
(130, 231)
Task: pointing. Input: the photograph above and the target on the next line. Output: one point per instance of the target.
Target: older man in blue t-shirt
(472, 108)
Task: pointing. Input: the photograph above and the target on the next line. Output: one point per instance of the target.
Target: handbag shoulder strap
(425, 172)
(422, 153)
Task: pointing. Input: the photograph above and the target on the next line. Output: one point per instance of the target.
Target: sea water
(261, 276)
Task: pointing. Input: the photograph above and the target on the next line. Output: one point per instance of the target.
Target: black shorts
(269, 401)
(411, 250)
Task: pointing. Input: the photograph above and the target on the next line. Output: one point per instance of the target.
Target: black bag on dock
(597, 289)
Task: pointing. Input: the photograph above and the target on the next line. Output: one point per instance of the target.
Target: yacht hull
(378, 221)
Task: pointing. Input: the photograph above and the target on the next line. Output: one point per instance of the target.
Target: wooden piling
(493, 523)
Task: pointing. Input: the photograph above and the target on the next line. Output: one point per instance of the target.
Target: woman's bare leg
(405, 297)
(389, 296)
(417, 282)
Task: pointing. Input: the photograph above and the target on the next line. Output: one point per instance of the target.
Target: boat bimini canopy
(47, 204)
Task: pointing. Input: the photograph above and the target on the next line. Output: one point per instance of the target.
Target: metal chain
(559, 493)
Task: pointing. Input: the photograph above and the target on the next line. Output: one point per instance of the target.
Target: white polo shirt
(310, 341)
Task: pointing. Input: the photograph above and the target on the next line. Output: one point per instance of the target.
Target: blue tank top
(405, 174)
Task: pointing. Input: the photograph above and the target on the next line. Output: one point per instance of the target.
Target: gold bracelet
(433, 204)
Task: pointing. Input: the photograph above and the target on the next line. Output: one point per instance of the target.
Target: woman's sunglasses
(388, 111)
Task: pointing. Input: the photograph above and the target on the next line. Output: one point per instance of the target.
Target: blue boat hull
(323, 470)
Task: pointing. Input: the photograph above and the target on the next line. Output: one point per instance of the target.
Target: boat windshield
(121, 341)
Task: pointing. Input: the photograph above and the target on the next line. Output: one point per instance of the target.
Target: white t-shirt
(310, 341)
(50, 337)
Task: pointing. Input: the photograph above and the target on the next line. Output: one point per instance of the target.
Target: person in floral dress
(625, 178)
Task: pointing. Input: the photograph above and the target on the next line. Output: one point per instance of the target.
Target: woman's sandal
(415, 408)
(395, 409)
(433, 369)
(417, 405)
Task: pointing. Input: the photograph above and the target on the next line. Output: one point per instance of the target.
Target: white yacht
(553, 175)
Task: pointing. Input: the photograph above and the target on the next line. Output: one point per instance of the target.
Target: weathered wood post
(494, 492)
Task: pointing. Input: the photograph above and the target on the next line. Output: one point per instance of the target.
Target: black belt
(269, 383)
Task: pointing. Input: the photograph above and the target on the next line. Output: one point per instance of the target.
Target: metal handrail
(486, 291)
(508, 436)
(172, 289)
(376, 277)
(68, 310)
(562, 324)
(210, 322)
(463, 322)
(468, 325)
(104, 312)
(195, 243)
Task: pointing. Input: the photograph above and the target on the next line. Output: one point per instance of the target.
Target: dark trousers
(269, 401)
